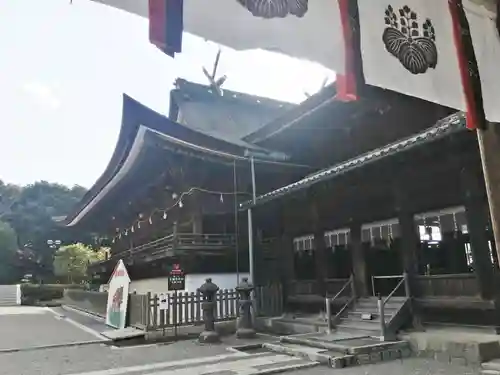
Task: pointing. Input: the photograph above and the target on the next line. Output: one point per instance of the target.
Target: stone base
(209, 337)
(246, 333)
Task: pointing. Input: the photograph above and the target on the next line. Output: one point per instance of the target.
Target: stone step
(489, 372)
(493, 365)
(375, 299)
(374, 304)
(356, 315)
(337, 359)
(373, 325)
(305, 352)
(319, 344)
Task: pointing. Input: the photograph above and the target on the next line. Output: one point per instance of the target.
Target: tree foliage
(30, 211)
(71, 261)
(8, 248)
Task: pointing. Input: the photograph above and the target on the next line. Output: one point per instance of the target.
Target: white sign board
(163, 297)
(116, 309)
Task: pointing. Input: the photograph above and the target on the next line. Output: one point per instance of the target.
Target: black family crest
(414, 45)
(276, 8)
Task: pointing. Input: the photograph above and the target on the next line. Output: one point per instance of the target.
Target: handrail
(329, 301)
(394, 290)
(342, 289)
(382, 302)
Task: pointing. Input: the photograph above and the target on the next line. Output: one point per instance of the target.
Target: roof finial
(323, 85)
(215, 85)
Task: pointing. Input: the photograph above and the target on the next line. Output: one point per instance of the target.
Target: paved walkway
(27, 328)
(50, 341)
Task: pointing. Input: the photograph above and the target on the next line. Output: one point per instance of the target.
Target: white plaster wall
(193, 281)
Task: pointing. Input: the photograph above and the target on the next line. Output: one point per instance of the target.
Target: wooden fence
(176, 309)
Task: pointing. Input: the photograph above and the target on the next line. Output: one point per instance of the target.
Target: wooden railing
(452, 285)
(349, 289)
(179, 241)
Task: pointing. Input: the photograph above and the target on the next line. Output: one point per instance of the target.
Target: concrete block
(375, 357)
(386, 355)
(350, 360)
(337, 362)
(363, 359)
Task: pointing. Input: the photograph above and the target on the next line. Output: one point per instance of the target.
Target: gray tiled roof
(444, 127)
(230, 117)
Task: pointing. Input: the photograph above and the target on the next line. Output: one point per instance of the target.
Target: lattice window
(303, 243)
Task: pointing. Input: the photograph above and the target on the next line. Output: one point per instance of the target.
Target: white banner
(486, 44)
(408, 46)
(307, 29)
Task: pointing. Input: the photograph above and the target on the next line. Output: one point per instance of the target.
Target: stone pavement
(25, 328)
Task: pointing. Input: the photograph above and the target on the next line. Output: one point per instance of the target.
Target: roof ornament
(215, 84)
(323, 85)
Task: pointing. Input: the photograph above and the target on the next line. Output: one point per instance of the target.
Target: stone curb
(285, 368)
(54, 346)
(83, 312)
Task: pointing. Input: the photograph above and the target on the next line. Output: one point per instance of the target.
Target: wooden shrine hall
(397, 209)
(170, 191)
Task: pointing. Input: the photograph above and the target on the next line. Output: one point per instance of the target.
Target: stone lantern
(208, 290)
(245, 327)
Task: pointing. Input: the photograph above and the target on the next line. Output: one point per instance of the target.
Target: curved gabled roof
(231, 116)
(139, 123)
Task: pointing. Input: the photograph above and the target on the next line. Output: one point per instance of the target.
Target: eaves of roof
(138, 121)
(443, 128)
(294, 115)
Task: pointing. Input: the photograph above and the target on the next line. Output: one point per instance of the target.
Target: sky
(64, 69)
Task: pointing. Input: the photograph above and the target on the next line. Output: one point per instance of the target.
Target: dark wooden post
(477, 223)
(286, 253)
(319, 249)
(409, 245)
(409, 237)
(358, 260)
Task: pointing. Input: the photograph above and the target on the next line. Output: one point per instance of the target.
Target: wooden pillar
(477, 223)
(286, 253)
(409, 236)
(489, 146)
(358, 260)
(319, 249)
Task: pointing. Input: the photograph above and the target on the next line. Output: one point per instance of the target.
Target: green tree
(71, 261)
(8, 254)
(30, 210)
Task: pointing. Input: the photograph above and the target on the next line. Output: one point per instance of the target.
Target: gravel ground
(77, 359)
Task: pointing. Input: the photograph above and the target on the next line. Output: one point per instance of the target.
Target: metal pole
(236, 236)
(250, 223)
(328, 315)
(254, 193)
(381, 314)
(250, 244)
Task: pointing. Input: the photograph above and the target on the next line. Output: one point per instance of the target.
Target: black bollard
(245, 326)
(208, 290)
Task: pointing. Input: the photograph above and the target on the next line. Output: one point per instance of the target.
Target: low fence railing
(452, 285)
(175, 309)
